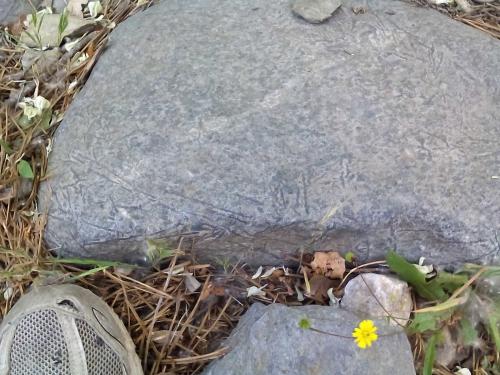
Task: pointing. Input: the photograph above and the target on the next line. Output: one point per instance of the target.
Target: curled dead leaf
(319, 287)
(331, 264)
(192, 285)
(254, 291)
(257, 273)
(268, 272)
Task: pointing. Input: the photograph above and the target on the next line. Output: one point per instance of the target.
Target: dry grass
(176, 331)
(484, 17)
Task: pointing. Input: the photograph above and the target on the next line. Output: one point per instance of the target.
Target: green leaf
(63, 24)
(349, 257)
(449, 281)
(24, 169)
(468, 332)
(409, 273)
(45, 120)
(25, 122)
(493, 329)
(40, 26)
(430, 355)
(63, 21)
(34, 19)
(6, 147)
(429, 321)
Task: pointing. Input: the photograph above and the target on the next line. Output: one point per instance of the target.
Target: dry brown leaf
(212, 290)
(268, 272)
(17, 27)
(331, 264)
(319, 287)
(288, 283)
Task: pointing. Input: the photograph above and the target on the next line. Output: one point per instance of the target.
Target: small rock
(59, 5)
(464, 5)
(10, 10)
(367, 292)
(315, 11)
(268, 340)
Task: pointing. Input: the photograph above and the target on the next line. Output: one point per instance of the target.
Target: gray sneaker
(65, 330)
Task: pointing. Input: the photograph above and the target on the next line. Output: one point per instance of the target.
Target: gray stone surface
(238, 124)
(315, 11)
(10, 10)
(379, 296)
(269, 341)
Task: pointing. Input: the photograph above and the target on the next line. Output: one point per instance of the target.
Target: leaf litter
(178, 312)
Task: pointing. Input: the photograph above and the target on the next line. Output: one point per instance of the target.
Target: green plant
(63, 24)
(225, 263)
(437, 288)
(466, 303)
(24, 169)
(430, 354)
(37, 24)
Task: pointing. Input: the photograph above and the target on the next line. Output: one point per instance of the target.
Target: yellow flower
(365, 334)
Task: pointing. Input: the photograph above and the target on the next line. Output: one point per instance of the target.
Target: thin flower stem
(349, 337)
(329, 333)
(381, 304)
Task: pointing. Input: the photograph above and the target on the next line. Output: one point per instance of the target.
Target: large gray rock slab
(268, 340)
(254, 133)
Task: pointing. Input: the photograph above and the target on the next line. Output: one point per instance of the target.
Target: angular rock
(268, 341)
(238, 125)
(315, 11)
(379, 296)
